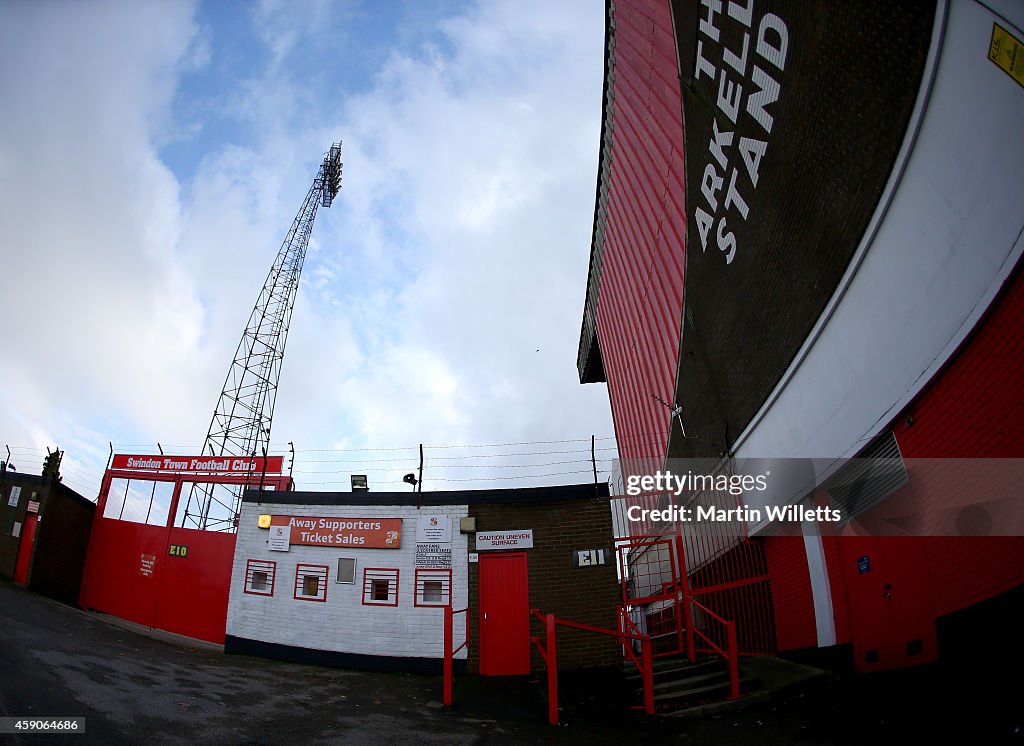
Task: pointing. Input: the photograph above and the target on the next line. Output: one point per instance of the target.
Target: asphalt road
(131, 689)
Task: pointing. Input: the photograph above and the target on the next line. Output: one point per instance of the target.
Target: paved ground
(59, 661)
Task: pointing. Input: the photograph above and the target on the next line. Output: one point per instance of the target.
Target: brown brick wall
(61, 545)
(587, 595)
(9, 544)
(61, 539)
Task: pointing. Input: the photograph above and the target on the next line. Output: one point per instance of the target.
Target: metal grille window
(259, 577)
(380, 586)
(433, 587)
(311, 582)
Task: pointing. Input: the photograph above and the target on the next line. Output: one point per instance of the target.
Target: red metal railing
(716, 563)
(549, 652)
(644, 665)
(731, 653)
(649, 568)
(728, 571)
(449, 653)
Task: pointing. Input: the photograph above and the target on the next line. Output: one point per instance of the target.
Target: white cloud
(100, 311)
(469, 196)
(442, 294)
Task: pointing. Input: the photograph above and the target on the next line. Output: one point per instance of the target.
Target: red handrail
(627, 625)
(449, 654)
(732, 655)
(645, 667)
(549, 654)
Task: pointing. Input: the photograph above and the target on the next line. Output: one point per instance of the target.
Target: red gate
(651, 590)
(143, 565)
(727, 574)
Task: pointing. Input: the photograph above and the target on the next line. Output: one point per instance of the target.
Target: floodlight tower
(245, 410)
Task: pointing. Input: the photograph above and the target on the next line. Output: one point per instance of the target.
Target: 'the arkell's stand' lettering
(770, 44)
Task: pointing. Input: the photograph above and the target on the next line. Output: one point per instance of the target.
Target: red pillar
(448, 634)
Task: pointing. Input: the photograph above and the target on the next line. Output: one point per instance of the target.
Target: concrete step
(670, 666)
(712, 691)
(761, 678)
(681, 684)
(692, 680)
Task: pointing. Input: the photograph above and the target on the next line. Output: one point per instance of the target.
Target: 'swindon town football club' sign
(365, 533)
(200, 464)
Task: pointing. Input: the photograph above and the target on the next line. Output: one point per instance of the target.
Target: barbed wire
(87, 474)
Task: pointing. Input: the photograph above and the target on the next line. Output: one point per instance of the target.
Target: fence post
(448, 635)
(648, 674)
(621, 623)
(684, 585)
(552, 660)
(734, 662)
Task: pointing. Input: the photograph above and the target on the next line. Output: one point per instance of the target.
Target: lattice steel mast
(245, 410)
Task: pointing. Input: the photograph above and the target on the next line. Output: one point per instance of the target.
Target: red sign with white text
(205, 464)
(351, 533)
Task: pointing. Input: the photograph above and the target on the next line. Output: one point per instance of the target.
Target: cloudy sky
(153, 155)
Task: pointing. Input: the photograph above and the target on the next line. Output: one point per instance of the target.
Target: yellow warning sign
(1007, 51)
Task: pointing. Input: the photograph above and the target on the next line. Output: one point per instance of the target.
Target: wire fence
(445, 466)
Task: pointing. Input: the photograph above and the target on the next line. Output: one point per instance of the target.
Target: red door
(504, 615)
(891, 616)
(28, 536)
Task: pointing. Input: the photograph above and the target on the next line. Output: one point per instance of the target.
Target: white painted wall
(343, 623)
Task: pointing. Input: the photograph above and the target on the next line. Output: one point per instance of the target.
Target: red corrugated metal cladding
(974, 410)
(641, 296)
(791, 593)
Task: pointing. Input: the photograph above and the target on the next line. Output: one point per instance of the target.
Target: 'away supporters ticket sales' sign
(365, 533)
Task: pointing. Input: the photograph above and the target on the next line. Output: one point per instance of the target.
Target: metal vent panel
(869, 479)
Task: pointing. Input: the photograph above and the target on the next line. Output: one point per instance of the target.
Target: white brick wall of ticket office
(342, 623)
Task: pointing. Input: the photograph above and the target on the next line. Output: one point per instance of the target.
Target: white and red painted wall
(342, 624)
